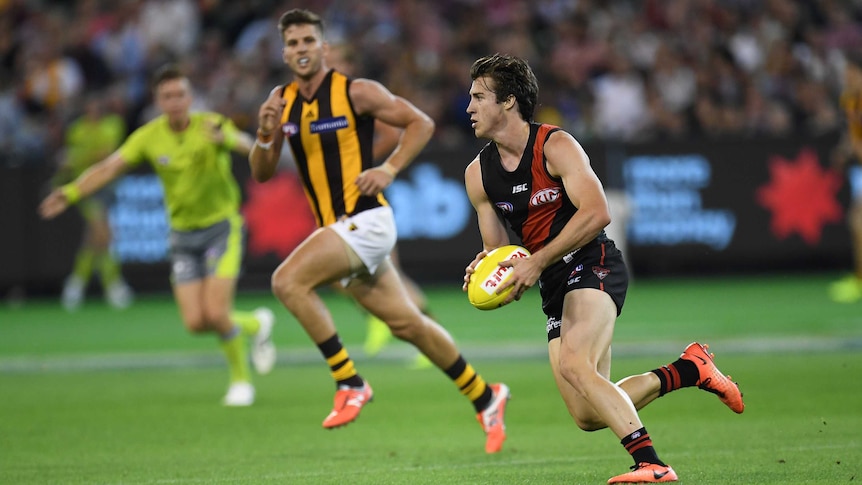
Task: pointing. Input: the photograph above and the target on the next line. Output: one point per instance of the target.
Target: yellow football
(482, 289)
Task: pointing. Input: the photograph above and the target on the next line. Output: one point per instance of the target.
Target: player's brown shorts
(597, 265)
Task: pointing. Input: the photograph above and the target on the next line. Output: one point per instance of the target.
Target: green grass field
(108, 397)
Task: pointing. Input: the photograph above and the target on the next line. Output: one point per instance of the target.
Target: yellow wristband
(72, 193)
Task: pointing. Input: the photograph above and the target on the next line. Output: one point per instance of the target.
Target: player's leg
(855, 215)
(378, 333)
(419, 299)
(849, 288)
(384, 295)
(75, 285)
(118, 294)
(586, 332)
(580, 360)
(205, 268)
(321, 259)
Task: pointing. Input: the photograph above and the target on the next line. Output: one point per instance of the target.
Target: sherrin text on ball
(489, 275)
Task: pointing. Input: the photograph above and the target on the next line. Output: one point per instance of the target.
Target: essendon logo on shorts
(600, 272)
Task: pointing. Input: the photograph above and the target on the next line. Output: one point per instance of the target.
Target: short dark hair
(299, 16)
(168, 72)
(512, 76)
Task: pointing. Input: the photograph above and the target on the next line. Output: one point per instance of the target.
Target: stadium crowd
(617, 69)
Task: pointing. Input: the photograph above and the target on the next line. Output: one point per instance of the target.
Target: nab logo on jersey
(517, 189)
(545, 196)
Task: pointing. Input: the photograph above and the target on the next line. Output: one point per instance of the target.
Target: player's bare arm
(372, 98)
(386, 138)
(93, 179)
(239, 141)
(567, 160)
(492, 230)
(264, 154)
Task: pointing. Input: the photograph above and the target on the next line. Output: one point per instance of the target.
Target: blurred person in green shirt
(90, 138)
(191, 155)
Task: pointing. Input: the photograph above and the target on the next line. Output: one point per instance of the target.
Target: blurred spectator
(621, 103)
(626, 69)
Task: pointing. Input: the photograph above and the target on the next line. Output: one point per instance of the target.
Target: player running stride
(327, 119)
(538, 179)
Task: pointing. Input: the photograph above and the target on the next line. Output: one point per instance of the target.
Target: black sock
(340, 365)
(639, 445)
(470, 383)
(676, 375)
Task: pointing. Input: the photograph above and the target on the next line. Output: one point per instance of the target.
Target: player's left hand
(373, 181)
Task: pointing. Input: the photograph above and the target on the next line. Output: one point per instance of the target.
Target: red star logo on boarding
(801, 196)
(277, 215)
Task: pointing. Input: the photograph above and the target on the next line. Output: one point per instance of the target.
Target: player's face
(485, 112)
(174, 98)
(304, 50)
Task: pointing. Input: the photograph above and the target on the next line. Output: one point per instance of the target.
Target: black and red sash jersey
(534, 203)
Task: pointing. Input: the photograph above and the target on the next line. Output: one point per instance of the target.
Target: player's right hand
(270, 111)
(53, 205)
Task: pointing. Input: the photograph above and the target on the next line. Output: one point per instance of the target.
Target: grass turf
(127, 398)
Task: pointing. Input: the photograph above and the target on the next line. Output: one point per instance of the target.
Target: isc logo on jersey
(488, 276)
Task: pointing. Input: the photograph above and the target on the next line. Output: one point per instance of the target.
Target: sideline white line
(507, 351)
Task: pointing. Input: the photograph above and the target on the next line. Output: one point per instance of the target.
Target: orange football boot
(646, 473)
(491, 418)
(711, 379)
(347, 404)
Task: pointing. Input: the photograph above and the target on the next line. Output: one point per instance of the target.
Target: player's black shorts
(597, 265)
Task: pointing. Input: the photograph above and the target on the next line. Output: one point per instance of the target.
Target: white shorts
(371, 234)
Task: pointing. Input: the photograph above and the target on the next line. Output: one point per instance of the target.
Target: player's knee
(284, 285)
(215, 319)
(195, 324)
(589, 423)
(405, 328)
(575, 373)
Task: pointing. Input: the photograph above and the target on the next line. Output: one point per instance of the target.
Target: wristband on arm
(389, 169)
(264, 140)
(71, 192)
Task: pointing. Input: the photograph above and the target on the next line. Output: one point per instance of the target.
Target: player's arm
(492, 230)
(266, 149)
(373, 99)
(386, 138)
(568, 161)
(93, 179)
(222, 131)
